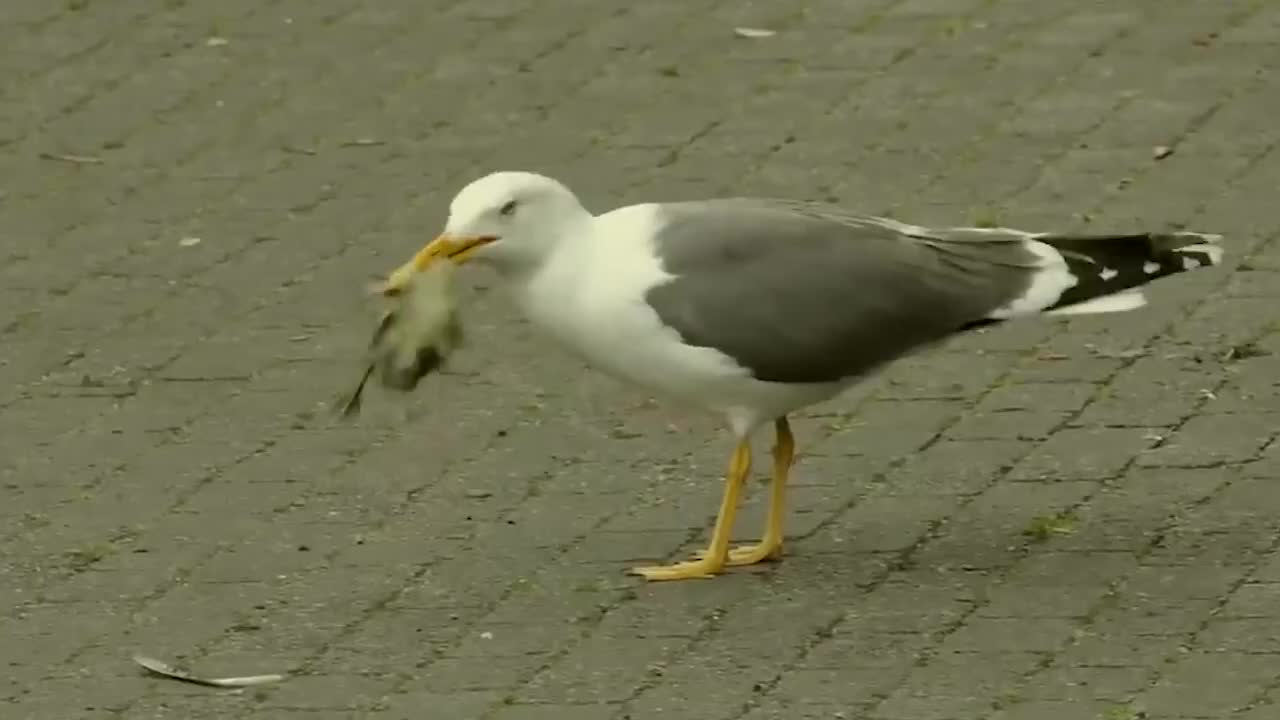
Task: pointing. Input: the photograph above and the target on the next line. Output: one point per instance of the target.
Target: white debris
(160, 667)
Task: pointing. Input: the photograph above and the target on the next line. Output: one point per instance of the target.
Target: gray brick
(953, 685)
(1049, 585)
(959, 467)
(409, 705)
(1083, 684)
(1082, 454)
(1024, 425)
(1246, 635)
(1212, 440)
(882, 523)
(987, 635)
(1057, 710)
(554, 712)
(338, 692)
(1230, 681)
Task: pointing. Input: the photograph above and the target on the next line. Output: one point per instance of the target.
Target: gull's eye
(508, 209)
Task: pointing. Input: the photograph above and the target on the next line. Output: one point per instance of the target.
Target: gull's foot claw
(748, 554)
(702, 568)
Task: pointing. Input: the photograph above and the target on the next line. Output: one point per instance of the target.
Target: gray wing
(801, 293)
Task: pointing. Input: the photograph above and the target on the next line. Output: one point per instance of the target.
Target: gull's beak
(446, 247)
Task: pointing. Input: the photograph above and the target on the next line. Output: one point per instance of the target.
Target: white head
(509, 220)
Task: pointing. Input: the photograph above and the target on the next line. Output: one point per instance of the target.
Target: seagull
(753, 309)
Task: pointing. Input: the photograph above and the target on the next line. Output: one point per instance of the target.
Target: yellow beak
(445, 247)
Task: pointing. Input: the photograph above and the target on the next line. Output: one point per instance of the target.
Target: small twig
(349, 405)
(77, 159)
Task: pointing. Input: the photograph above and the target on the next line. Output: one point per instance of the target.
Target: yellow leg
(716, 555)
(770, 545)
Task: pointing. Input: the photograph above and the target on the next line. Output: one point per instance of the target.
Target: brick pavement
(1045, 521)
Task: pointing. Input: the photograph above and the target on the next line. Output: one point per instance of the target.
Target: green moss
(1043, 527)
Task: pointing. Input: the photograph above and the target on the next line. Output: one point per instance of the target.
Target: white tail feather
(1213, 251)
(1116, 302)
(1052, 278)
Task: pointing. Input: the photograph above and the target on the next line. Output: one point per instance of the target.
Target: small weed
(987, 218)
(34, 520)
(588, 586)
(1123, 712)
(126, 534)
(1244, 351)
(81, 558)
(1012, 697)
(261, 694)
(1043, 527)
(621, 433)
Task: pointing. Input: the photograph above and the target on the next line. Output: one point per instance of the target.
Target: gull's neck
(573, 231)
(555, 243)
